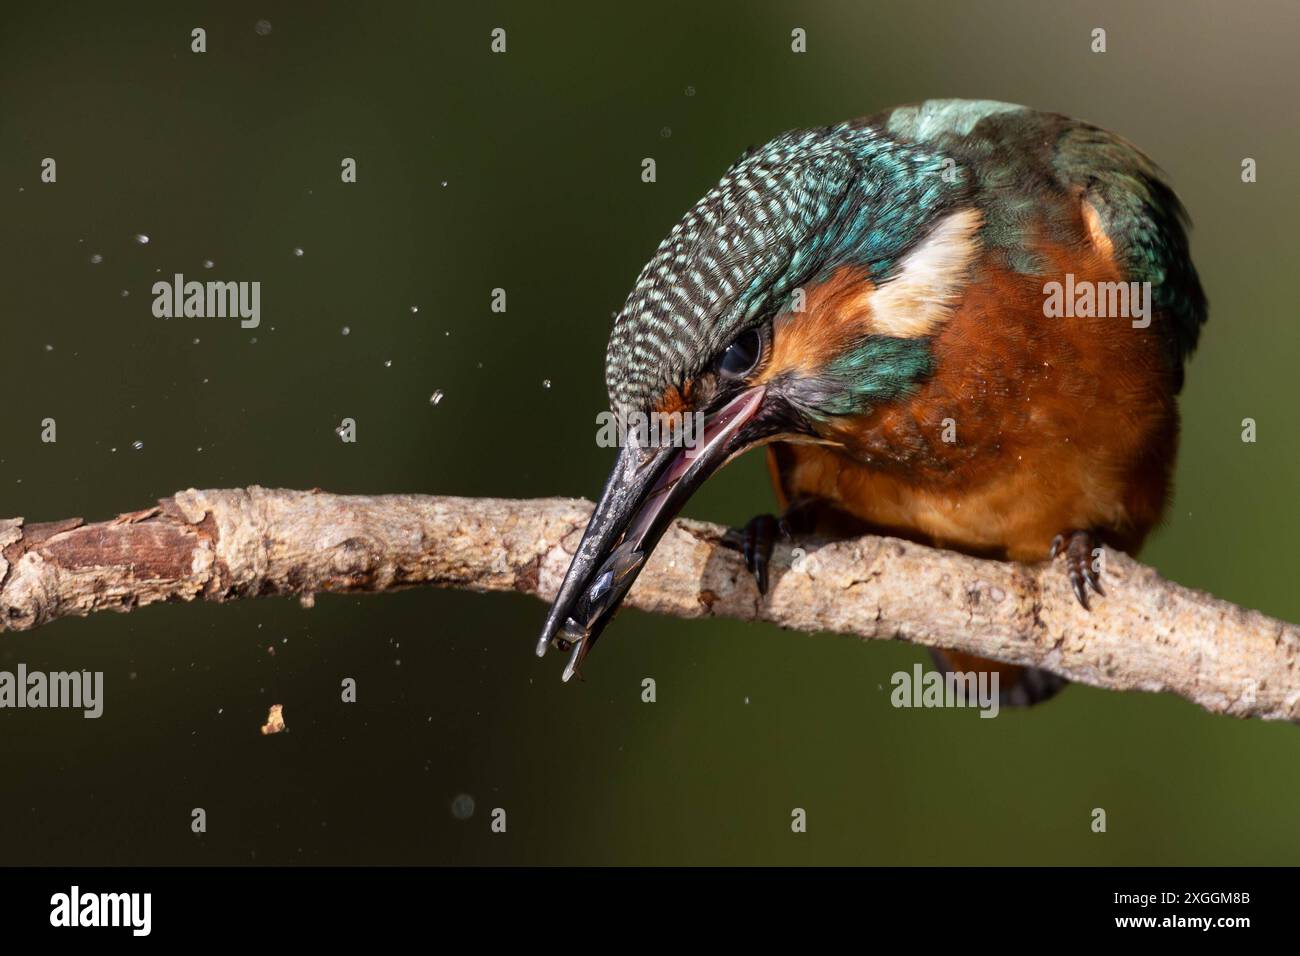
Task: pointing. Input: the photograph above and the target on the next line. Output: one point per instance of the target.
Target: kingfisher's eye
(741, 355)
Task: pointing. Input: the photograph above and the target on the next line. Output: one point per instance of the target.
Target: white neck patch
(929, 281)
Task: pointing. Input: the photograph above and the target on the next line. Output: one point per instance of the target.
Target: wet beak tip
(641, 497)
(575, 659)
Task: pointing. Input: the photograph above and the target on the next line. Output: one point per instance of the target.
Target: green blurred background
(521, 171)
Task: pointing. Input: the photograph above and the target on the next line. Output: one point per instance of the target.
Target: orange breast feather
(1029, 426)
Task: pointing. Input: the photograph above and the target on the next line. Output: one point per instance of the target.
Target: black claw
(755, 542)
(1078, 563)
(1093, 580)
(1079, 590)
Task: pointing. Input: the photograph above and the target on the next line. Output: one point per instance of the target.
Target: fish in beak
(645, 491)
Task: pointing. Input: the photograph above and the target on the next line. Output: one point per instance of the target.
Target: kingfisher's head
(801, 292)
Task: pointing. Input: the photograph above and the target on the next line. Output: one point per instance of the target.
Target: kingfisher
(878, 304)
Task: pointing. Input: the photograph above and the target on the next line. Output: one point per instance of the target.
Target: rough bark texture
(1145, 634)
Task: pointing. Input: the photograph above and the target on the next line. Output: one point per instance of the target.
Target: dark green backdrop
(522, 171)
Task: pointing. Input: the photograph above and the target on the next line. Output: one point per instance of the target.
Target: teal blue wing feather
(1144, 220)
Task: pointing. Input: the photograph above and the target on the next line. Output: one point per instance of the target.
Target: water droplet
(388, 363)
(208, 263)
(414, 309)
(141, 238)
(262, 27)
(347, 330)
(436, 397)
(298, 251)
(137, 445)
(96, 259)
(125, 293)
(462, 807)
(666, 132)
(690, 91)
(196, 342)
(546, 383)
(444, 184)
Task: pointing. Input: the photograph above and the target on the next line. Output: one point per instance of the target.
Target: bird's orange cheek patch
(674, 400)
(835, 313)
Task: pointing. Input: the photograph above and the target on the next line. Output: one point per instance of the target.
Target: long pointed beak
(645, 491)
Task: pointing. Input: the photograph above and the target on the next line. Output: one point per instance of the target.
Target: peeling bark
(1145, 634)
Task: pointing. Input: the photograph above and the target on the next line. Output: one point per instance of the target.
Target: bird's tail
(1017, 686)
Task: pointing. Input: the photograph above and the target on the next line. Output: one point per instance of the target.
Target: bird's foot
(759, 536)
(755, 541)
(1082, 562)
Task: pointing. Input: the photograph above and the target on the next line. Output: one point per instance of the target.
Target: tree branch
(1145, 634)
